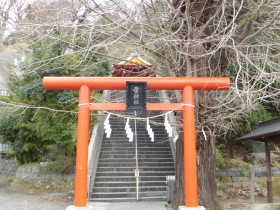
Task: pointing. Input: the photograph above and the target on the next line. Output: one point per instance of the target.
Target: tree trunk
(179, 193)
(206, 174)
(195, 15)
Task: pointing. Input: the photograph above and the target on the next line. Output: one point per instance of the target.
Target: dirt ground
(15, 195)
(244, 203)
(18, 200)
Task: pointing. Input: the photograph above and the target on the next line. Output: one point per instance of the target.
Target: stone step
(130, 183)
(141, 164)
(132, 152)
(156, 126)
(123, 136)
(114, 169)
(129, 189)
(131, 173)
(127, 160)
(143, 122)
(120, 132)
(125, 155)
(127, 194)
(139, 145)
(145, 199)
(119, 129)
(146, 139)
(125, 115)
(138, 115)
(128, 178)
(140, 139)
(155, 146)
(121, 149)
(124, 139)
(156, 122)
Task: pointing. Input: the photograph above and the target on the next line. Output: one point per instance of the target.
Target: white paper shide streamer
(168, 127)
(204, 134)
(128, 131)
(107, 127)
(150, 131)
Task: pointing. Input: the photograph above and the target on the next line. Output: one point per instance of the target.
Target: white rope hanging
(128, 131)
(137, 118)
(107, 127)
(168, 127)
(150, 131)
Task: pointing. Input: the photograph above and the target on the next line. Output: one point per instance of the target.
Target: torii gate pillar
(187, 85)
(191, 199)
(82, 147)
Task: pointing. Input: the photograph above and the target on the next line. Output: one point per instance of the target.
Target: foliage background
(39, 134)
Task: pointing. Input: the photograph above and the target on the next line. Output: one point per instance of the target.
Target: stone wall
(240, 177)
(38, 172)
(8, 167)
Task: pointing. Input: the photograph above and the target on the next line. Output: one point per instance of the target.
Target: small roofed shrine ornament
(133, 66)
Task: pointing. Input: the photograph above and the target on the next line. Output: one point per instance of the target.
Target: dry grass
(16, 46)
(42, 186)
(240, 152)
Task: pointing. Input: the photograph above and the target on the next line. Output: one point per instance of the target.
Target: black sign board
(136, 95)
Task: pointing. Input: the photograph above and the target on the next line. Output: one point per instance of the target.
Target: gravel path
(15, 201)
(18, 201)
(10, 200)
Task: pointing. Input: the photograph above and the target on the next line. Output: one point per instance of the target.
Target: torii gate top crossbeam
(119, 83)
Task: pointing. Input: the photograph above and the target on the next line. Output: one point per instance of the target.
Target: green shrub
(62, 165)
(44, 127)
(220, 162)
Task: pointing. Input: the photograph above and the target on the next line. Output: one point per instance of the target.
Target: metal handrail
(136, 161)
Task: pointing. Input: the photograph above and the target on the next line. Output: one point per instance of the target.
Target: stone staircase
(115, 179)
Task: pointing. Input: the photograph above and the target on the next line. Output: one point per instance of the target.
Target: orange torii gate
(187, 85)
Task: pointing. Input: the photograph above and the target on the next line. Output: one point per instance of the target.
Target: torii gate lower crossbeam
(187, 85)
